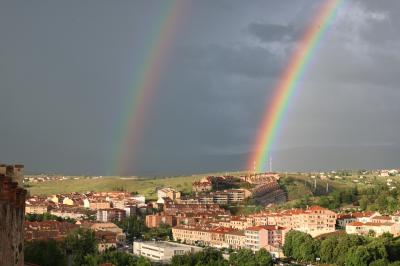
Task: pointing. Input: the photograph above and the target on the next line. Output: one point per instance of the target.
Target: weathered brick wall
(12, 210)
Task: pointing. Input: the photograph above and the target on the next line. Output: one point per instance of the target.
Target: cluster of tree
(45, 253)
(209, 256)
(135, 228)
(337, 198)
(81, 247)
(379, 198)
(206, 257)
(249, 258)
(33, 217)
(116, 258)
(163, 232)
(374, 198)
(343, 249)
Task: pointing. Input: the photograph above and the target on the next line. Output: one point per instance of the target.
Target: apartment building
(314, 220)
(225, 197)
(219, 237)
(220, 197)
(364, 217)
(371, 228)
(192, 235)
(36, 208)
(110, 215)
(47, 230)
(168, 193)
(99, 203)
(67, 211)
(264, 236)
(155, 220)
(237, 195)
(235, 239)
(206, 199)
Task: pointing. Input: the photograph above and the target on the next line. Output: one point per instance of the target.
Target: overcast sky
(67, 66)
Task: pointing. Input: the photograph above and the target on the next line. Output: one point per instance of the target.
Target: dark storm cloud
(238, 60)
(67, 68)
(272, 32)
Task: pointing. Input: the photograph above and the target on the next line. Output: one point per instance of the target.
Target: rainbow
(288, 83)
(146, 81)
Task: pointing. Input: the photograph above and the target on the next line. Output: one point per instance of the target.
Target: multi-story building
(192, 235)
(314, 220)
(374, 229)
(206, 199)
(46, 230)
(130, 210)
(168, 193)
(235, 239)
(364, 217)
(237, 195)
(220, 197)
(162, 251)
(66, 211)
(36, 208)
(110, 215)
(264, 236)
(99, 203)
(155, 220)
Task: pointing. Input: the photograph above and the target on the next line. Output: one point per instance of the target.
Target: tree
(116, 258)
(44, 253)
(243, 257)
(263, 258)
(380, 262)
(300, 246)
(327, 249)
(363, 202)
(358, 256)
(134, 227)
(164, 232)
(208, 257)
(344, 243)
(81, 242)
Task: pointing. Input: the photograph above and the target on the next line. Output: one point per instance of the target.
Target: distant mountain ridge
(293, 159)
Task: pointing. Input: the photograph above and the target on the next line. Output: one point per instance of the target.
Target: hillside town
(198, 220)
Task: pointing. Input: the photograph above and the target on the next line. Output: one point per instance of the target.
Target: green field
(144, 186)
(297, 185)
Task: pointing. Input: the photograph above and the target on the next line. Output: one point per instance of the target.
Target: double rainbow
(288, 83)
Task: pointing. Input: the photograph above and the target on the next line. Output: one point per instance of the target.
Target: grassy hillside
(297, 185)
(145, 186)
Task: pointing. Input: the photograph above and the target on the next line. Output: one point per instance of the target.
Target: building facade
(12, 214)
(162, 251)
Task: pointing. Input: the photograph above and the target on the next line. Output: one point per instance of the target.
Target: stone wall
(12, 210)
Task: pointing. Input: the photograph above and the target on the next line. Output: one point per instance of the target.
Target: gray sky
(67, 66)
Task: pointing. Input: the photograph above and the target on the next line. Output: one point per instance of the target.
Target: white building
(162, 251)
(168, 193)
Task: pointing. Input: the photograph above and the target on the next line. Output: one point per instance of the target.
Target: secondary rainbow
(146, 82)
(288, 83)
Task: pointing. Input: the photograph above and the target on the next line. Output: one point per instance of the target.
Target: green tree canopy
(44, 253)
